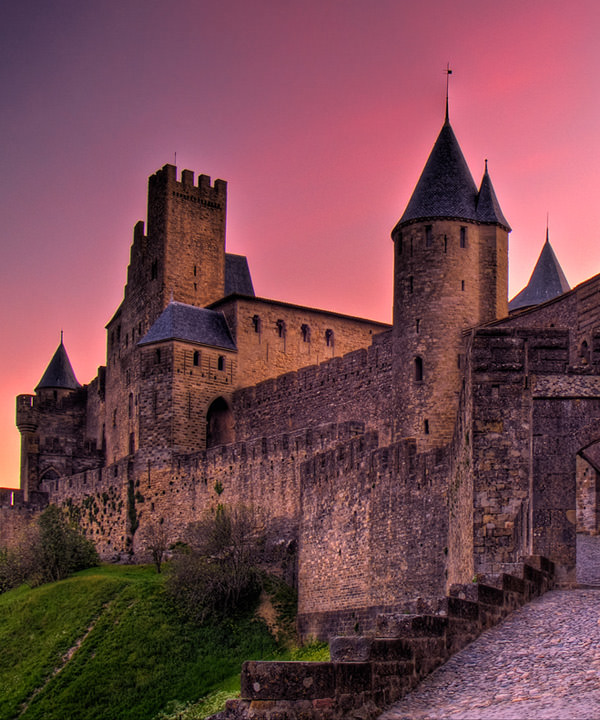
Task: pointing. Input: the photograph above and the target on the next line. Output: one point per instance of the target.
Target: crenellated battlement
(185, 187)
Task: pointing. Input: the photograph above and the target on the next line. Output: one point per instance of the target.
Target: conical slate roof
(488, 207)
(59, 373)
(547, 281)
(446, 188)
(189, 323)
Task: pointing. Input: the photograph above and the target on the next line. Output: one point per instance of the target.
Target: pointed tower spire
(547, 281)
(488, 207)
(446, 188)
(59, 373)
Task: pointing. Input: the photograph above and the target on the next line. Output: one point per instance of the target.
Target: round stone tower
(450, 274)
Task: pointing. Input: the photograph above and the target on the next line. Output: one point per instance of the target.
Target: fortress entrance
(219, 423)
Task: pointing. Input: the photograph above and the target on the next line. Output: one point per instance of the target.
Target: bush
(217, 572)
(50, 549)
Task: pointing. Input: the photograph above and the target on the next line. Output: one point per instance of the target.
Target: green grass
(136, 659)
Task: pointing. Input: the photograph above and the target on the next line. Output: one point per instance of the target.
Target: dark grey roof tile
(190, 324)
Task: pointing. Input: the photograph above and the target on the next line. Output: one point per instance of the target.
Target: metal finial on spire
(547, 227)
(448, 73)
(61, 337)
(486, 165)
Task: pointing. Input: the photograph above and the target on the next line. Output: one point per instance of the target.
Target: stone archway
(219, 423)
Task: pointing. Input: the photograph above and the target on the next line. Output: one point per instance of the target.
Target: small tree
(218, 572)
(157, 539)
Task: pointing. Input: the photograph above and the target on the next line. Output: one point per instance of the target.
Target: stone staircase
(366, 674)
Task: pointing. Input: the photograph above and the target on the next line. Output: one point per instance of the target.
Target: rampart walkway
(541, 662)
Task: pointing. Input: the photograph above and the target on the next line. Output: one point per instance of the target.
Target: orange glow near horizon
(320, 115)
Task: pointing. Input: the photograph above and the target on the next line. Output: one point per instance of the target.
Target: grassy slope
(135, 656)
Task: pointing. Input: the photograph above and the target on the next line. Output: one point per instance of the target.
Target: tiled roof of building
(190, 324)
(547, 281)
(237, 275)
(446, 188)
(59, 373)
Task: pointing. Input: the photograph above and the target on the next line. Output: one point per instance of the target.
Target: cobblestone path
(542, 662)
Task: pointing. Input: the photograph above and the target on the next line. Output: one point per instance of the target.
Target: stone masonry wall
(373, 533)
(359, 385)
(265, 351)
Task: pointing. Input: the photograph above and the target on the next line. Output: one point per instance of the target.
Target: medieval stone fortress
(390, 461)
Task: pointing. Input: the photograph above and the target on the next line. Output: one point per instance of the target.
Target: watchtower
(450, 273)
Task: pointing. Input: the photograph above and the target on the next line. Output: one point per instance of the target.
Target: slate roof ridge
(547, 281)
(59, 373)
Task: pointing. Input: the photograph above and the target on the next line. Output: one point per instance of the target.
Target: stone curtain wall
(373, 533)
(358, 385)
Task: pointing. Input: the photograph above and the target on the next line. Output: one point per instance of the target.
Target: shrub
(217, 574)
(50, 549)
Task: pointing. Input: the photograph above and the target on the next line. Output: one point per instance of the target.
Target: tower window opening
(126, 339)
(463, 237)
(417, 324)
(426, 427)
(305, 330)
(256, 323)
(221, 362)
(329, 337)
(195, 269)
(196, 358)
(428, 236)
(280, 328)
(445, 243)
(114, 418)
(154, 270)
(130, 405)
(418, 369)
(157, 356)
(462, 285)
(411, 284)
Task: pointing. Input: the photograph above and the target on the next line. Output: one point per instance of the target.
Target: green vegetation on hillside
(107, 643)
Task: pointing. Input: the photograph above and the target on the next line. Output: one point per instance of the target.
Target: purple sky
(320, 115)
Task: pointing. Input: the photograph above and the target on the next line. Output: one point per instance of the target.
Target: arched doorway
(219, 423)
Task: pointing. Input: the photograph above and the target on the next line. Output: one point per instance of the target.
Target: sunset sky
(319, 113)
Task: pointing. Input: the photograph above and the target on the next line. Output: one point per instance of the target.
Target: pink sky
(320, 114)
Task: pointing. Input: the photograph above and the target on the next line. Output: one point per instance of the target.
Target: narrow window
(280, 328)
(329, 337)
(411, 284)
(445, 243)
(196, 359)
(411, 247)
(305, 330)
(418, 369)
(463, 237)
(458, 362)
(133, 335)
(131, 443)
(154, 270)
(426, 427)
(140, 328)
(256, 323)
(462, 285)
(221, 362)
(157, 356)
(584, 353)
(126, 339)
(417, 324)
(428, 236)
(194, 271)
(114, 418)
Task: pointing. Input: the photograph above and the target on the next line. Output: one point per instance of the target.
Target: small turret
(547, 281)
(59, 374)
